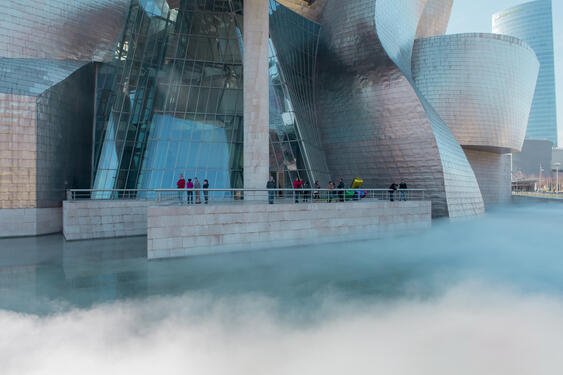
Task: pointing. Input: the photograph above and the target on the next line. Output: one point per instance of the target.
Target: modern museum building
(129, 94)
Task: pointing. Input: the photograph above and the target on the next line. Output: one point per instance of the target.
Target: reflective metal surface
(374, 123)
(435, 18)
(46, 112)
(64, 136)
(84, 30)
(493, 174)
(469, 79)
(33, 76)
(532, 22)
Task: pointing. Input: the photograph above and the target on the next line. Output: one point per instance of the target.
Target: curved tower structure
(467, 78)
(532, 22)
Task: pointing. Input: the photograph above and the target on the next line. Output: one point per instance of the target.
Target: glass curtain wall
(171, 101)
(295, 146)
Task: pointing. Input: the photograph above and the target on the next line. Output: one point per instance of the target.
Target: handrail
(239, 194)
(241, 189)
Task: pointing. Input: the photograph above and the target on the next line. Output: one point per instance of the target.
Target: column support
(256, 94)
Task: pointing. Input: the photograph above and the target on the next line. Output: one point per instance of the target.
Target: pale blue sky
(476, 16)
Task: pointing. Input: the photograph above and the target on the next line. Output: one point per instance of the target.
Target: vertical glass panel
(179, 104)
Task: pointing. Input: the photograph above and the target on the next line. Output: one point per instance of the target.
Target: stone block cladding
(256, 103)
(20, 222)
(18, 151)
(196, 230)
(104, 219)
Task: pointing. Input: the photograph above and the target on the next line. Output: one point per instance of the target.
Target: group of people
(402, 191)
(190, 188)
(303, 189)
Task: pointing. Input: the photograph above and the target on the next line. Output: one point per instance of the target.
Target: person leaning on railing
(403, 191)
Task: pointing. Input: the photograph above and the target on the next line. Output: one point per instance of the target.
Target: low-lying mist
(478, 296)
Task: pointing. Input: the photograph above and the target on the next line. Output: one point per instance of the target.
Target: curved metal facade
(532, 22)
(84, 30)
(374, 122)
(469, 79)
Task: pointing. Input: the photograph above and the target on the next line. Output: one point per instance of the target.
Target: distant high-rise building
(532, 22)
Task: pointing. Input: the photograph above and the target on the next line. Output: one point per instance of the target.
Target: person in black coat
(341, 192)
(271, 185)
(307, 192)
(403, 191)
(392, 190)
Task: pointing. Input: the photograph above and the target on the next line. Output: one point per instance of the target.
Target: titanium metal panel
(435, 18)
(533, 23)
(85, 30)
(32, 77)
(46, 140)
(64, 136)
(493, 174)
(481, 85)
(374, 122)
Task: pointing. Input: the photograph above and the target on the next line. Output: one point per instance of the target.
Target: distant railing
(204, 196)
(539, 194)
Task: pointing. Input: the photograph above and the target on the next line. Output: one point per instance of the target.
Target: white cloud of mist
(471, 329)
(480, 296)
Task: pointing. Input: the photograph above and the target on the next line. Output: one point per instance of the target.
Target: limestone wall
(104, 219)
(193, 230)
(18, 222)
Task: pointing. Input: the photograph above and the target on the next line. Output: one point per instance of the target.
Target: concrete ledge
(18, 222)
(194, 230)
(92, 219)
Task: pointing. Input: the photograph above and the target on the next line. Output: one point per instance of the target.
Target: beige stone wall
(90, 219)
(174, 231)
(256, 94)
(18, 222)
(18, 151)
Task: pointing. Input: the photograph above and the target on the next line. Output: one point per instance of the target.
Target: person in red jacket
(297, 186)
(181, 184)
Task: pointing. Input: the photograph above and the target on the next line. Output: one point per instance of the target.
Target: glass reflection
(170, 101)
(295, 148)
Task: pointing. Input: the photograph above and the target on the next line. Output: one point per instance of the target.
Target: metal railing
(539, 194)
(273, 196)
